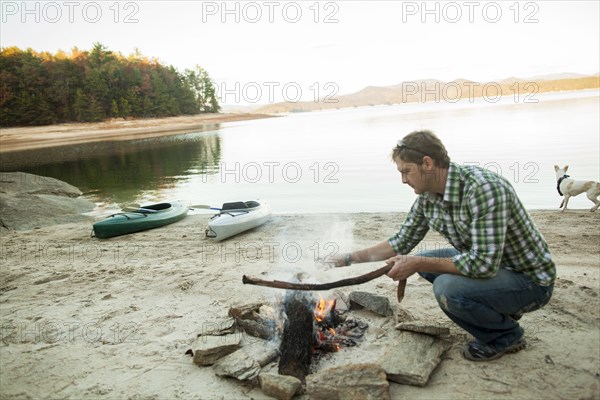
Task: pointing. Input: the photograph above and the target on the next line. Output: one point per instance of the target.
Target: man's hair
(419, 144)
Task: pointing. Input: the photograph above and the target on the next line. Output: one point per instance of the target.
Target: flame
(322, 308)
(326, 333)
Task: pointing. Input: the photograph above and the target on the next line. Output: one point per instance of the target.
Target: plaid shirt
(482, 217)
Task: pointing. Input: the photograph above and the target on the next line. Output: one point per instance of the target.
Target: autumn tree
(83, 86)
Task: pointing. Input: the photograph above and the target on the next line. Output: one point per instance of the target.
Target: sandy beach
(36, 137)
(113, 319)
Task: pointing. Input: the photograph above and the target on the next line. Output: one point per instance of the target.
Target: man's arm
(379, 252)
(405, 266)
(411, 233)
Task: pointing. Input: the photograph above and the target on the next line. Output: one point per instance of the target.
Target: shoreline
(38, 137)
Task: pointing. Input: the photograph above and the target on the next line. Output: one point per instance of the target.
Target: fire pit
(314, 329)
(312, 332)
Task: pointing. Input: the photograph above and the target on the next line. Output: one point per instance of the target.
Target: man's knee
(446, 289)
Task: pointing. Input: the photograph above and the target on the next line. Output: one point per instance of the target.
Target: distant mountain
(427, 90)
(554, 77)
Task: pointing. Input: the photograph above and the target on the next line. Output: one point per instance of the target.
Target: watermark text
(70, 11)
(470, 11)
(270, 12)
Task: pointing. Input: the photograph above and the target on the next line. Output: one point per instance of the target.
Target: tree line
(40, 88)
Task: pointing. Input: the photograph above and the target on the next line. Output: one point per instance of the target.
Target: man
(499, 266)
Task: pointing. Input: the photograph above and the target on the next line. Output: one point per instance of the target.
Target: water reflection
(341, 157)
(118, 171)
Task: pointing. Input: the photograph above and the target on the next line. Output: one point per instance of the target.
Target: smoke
(308, 255)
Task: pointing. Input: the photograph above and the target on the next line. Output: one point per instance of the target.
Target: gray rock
(29, 201)
(372, 302)
(210, 349)
(261, 351)
(24, 183)
(422, 327)
(412, 358)
(238, 365)
(279, 386)
(261, 328)
(244, 311)
(358, 381)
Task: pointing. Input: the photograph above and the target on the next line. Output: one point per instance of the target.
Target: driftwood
(318, 286)
(331, 285)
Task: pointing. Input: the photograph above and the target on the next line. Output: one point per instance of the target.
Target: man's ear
(428, 163)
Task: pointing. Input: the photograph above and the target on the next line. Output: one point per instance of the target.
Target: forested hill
(39, 88)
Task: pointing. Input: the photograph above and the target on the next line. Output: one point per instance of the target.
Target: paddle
(137, 208)
(204, 206)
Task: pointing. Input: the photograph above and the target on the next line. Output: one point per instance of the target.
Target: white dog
(568, 187)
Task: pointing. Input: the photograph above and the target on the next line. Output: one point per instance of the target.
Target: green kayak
(140, 219)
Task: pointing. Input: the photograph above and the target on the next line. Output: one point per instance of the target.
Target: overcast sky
(315, 48)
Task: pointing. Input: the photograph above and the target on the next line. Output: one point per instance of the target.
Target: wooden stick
(400, 290)
(319, 286)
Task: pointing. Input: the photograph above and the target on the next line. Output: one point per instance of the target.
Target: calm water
(336, 161)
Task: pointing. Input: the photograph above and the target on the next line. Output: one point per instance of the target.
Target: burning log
(298, 338)
(333, 330)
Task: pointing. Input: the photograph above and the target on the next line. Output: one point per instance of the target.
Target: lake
(337, 161)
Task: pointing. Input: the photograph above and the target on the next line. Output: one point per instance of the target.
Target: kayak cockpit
(237, 217)
(240, 205)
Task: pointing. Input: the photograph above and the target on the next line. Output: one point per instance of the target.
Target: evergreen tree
(114, 109)
(200, 83)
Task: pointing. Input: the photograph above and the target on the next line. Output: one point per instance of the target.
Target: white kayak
(237, 217)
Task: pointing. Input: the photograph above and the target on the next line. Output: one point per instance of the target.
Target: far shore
(36, 137)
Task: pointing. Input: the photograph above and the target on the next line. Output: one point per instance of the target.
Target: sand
(26, 138)
(112, 319)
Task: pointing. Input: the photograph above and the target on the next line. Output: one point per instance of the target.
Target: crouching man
(498, 266)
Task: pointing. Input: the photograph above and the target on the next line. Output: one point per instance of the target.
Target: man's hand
(404, 266)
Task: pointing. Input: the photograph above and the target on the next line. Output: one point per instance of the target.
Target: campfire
(310, 329)
(299, 342)
(314, 328)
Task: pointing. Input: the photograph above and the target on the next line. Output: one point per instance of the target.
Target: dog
(568, 188)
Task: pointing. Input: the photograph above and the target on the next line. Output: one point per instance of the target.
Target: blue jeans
(485, 307)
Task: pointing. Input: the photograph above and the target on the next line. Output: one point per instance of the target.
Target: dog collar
(565, 176)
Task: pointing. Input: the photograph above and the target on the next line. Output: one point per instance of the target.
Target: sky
(260, 52)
